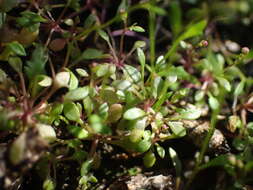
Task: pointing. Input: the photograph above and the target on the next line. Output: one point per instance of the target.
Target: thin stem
(66, 60)
(51, 92)
(93, 148)
(111, 21)
(122, 39)
(24, 92)
(151, 26)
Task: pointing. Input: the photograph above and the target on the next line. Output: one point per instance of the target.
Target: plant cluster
(78, 79)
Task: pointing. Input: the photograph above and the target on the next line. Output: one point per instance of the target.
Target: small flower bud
(204, 43)
(245, 50)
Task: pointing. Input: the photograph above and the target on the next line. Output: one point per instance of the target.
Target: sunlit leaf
(46, 81)
(16, 48)
(77, 94)
(160, 150)
(133, 113)
(78, 132)
(133, 73)
(136, 28)
(48, 184)
(71, 111)
(73, 81)
(175, 160)
(177, 128)
(239, 88)
(224, 83)
(190, 114)
(82, 72)
(213, 102)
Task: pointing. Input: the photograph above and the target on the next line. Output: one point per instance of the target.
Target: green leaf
(89, 21)
(29, 18)
(177, 128)
(190, 114)
(73, 81)
(71, 111)
(48, 184)
(104, 70)
(46, 81)
(88, 105)
(3, 76)
(234, 122)
(104, 35)
(155, 9)
(36, 65)
(17, 149)
(160, 150)
(16, 48)
(86, 166)
(142, 60)
(199, 95)
(175, 160)
(115, 113)
(221, 160)
(91, 53)
(136, 135)
(77, 94)
(213, 102)
(133, 73)
(239, 88)
(82, 72)
(103, 111)
(193, 30)
(175, 17)
(224, 83)
(149, 159)
(122, 85)
(16, 64)
(157, 86)
(78, 132)
(109, 95)
(97, 125)
(57, 109)
(136, 29)
(139, 44)
(133, 113)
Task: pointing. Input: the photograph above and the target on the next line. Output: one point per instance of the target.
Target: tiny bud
(203, 43)
(245, 50)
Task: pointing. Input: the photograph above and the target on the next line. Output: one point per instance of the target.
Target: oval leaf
(133, 113)
(77, 94)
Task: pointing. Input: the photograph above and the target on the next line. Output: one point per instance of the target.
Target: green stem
(204, 148)
(151, 25)
(111, 21)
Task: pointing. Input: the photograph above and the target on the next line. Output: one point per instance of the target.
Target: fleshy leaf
(77, 94)
(133, 113)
